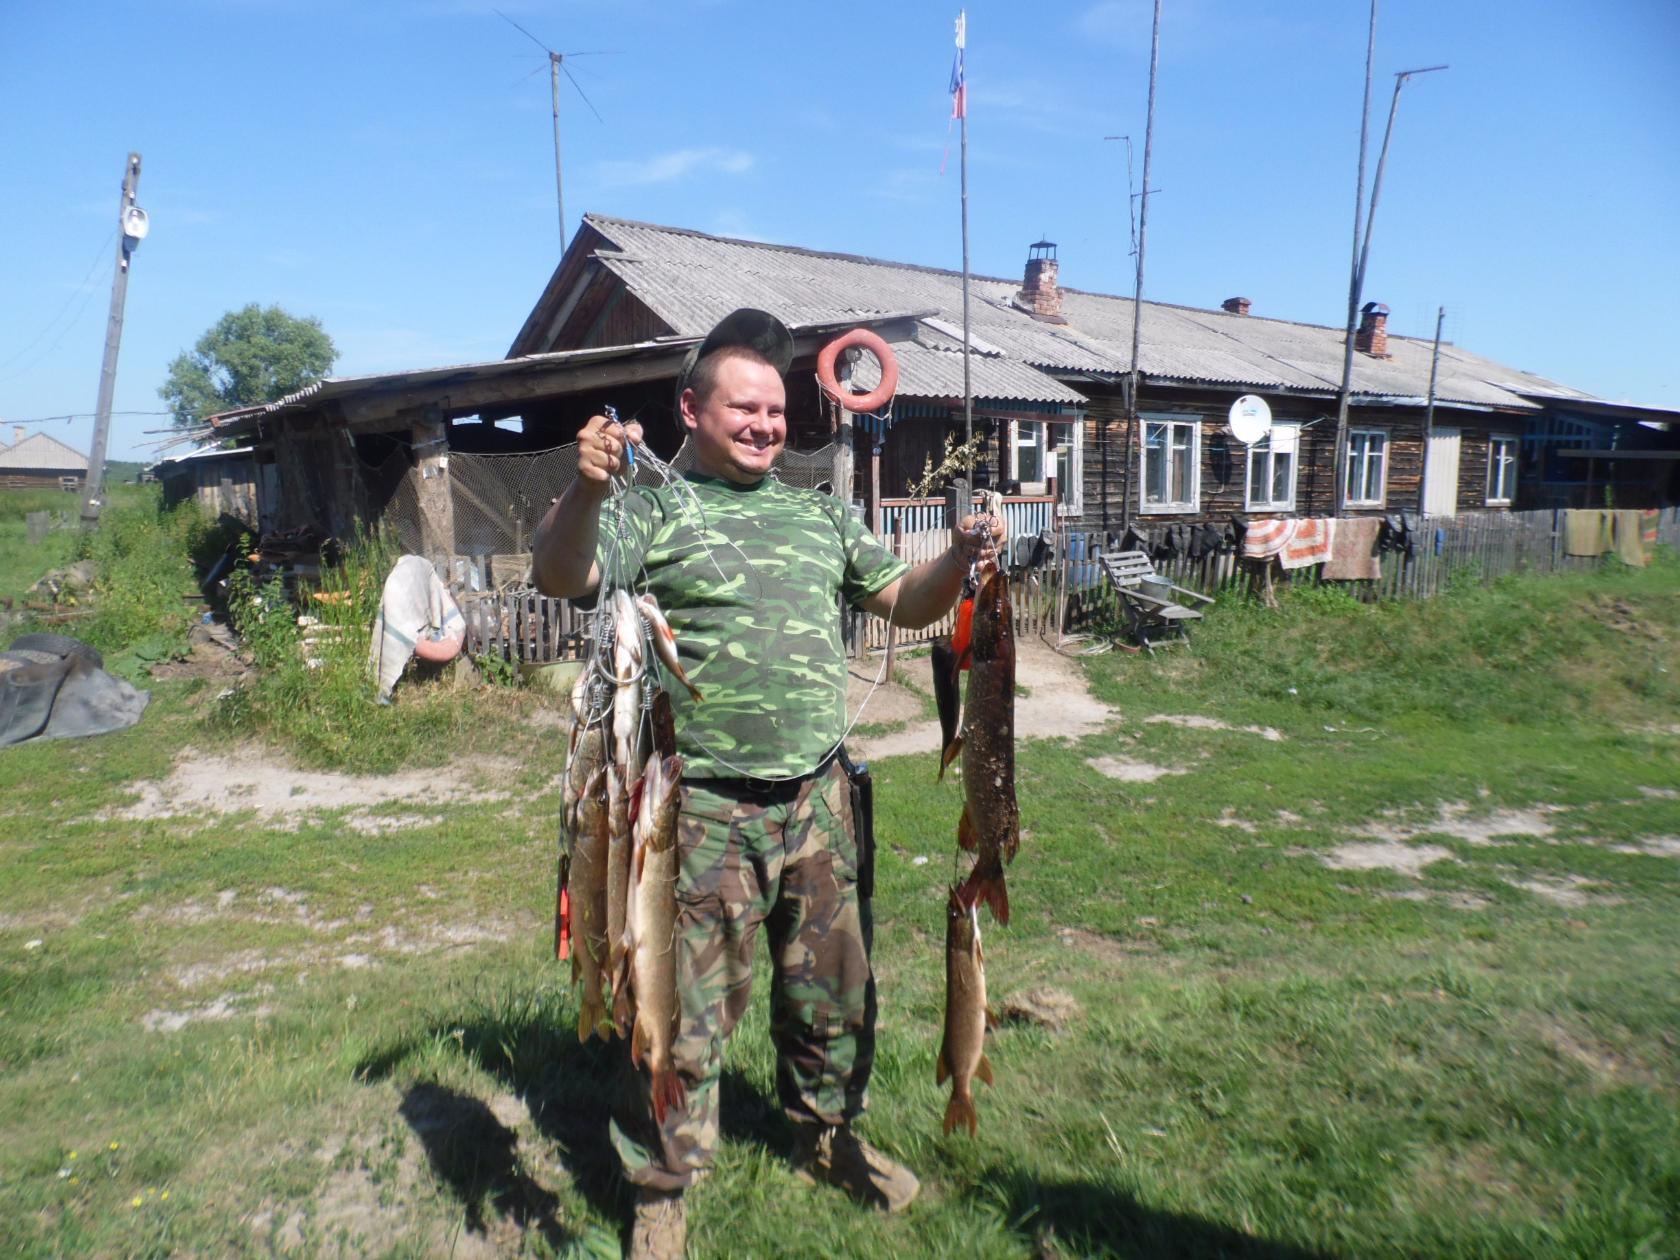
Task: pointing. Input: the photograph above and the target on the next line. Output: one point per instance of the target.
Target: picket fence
(1067, 592)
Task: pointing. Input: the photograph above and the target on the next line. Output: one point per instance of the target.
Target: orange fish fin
(638, 1043)
(967, 838)
(960, 1113)
(592, 1014)
(668, 1093)
(951, 754)
(941, 1069)
(987, 886)
(984, 1071)
(693, 691)
(962, 634)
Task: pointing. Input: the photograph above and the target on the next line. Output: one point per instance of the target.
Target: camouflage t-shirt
(752, 593)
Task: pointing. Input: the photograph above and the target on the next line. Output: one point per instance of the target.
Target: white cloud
(667, 167)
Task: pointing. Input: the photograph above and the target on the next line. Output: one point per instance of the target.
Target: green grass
(1274, 1058)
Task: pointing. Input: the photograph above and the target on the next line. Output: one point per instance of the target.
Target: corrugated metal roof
(927, 372)
(40, 451)
(691, 280)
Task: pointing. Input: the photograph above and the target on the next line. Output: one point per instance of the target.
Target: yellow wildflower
(135, 1201)
(114, 1145)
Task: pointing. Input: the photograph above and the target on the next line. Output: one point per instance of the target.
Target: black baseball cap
(755, 329)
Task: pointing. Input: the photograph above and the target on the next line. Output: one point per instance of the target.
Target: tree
(252, 355)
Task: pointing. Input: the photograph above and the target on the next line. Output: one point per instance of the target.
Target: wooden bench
(1147, 598)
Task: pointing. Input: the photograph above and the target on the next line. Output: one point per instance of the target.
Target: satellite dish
(1250, 419)
(135, 224)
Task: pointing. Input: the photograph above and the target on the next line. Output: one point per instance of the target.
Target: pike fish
(652, 929)
(990, 826)
(664, 641)
(619, 844)
(587, 884)
(587, 755)
(627, 673)
(962, 1056)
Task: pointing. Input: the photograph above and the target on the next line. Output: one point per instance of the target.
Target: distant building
(38, 460)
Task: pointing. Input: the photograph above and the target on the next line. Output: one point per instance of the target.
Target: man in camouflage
(750, 573)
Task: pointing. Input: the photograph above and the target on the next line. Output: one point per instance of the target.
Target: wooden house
(40, 461)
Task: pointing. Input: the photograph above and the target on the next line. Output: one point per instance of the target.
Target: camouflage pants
(785, 857)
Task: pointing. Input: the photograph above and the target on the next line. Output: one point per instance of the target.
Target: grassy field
(1383, 966)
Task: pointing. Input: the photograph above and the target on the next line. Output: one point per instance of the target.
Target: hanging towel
(1311, 543)
(1266, 538)
(415, 601)
(1627, 529)
(1353, 554)
(1648, 528)
(1586, 532)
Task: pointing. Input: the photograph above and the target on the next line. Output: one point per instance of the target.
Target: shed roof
(690, 280)
(40, 451)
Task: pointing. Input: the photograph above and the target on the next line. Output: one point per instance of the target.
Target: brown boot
(659, 1228)
(838, 1156)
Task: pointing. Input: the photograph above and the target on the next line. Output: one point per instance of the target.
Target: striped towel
(1266, 538)
(1311, 543)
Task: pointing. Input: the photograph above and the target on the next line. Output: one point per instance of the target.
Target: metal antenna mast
(557, 67)
(1133, 436)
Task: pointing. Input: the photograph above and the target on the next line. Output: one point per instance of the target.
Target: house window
(1502, 469)
(1172, 453)
(1271, 470)
(1029, 455)
(1367, 468)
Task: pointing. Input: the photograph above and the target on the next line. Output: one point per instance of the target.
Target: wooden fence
(1067, 590)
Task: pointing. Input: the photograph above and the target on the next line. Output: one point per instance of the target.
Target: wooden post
(430, 433)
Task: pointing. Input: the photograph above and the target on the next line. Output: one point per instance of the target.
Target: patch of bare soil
(1048, 1008)
(1058, 704)
(243, 779)
(225, 1006)
(1110, 949)
(1128, 771)
(1566, 890)
(1385, 855)
(1455, 900)
(1660, 794)
(1200, 722)
(1652, 846)
(1456, 819)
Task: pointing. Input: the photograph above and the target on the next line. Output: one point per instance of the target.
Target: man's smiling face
(740, 426)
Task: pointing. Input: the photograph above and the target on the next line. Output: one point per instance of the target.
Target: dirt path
(1057, 703)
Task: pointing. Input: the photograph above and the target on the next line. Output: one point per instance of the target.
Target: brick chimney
(1237, 306)
(1372, 337)
(1040, 295)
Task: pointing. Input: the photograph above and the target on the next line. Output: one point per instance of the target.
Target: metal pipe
(1429, 411)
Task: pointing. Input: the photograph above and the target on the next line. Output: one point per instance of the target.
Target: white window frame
(1495, 440)
(1069, 468)
(1267, 446)
(1172, 421)
(1046, 460)
(1382, 487)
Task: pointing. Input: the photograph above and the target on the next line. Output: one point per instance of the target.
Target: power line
(80, 291)
(80, 415)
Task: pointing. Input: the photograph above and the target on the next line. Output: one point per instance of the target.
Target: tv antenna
(557, 67)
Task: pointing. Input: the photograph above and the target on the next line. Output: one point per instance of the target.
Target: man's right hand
(600, 452)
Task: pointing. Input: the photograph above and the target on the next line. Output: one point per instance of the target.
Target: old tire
(58, 645)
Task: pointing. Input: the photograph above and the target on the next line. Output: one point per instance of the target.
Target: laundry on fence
(1627, 530)
(1586, 532)
(1310, 543)
(1353, 551)
(1268, 537)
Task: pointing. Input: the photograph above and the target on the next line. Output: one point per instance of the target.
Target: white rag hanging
(415, 603)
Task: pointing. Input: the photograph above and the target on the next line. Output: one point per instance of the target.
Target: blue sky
(388, 167)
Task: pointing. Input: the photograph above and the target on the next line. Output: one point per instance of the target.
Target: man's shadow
(475, 1155)
(1087, 1218)
(570, 1089)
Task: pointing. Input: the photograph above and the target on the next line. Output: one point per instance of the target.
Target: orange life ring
(440, 651)
(877, 398)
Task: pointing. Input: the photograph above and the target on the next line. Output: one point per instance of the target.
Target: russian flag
(959, 84)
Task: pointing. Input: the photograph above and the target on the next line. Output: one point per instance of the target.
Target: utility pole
(133, 225)
(1132, 435)
(1339, 497)
(1429, 411)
